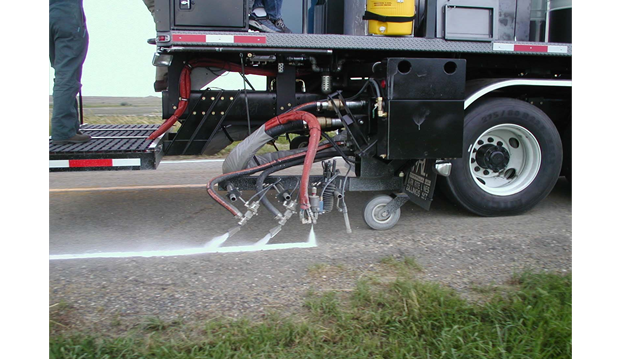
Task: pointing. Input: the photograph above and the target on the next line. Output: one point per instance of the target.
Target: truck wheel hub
(492, 157)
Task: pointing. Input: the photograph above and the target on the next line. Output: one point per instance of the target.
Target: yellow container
(381, 13)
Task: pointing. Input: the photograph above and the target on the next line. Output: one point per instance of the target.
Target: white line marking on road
(184, 252)
(117, 188)
(190, 161)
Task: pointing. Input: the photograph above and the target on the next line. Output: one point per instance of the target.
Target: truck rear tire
(567, 153)
(512, 158)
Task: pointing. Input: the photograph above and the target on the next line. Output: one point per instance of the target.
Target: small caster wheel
(377, 217)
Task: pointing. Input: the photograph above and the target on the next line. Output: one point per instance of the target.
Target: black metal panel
(286, 87)
(426, 79)
(425, 129)
(425, 109)
(204, 119)
(210, 14)
(329, 17)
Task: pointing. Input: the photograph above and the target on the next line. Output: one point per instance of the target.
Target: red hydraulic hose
(315, 134)
(185, 88)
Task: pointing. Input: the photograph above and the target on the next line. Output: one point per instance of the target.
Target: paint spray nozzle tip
(275, 231)
(234, 230)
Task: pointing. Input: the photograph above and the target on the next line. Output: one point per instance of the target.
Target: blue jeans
(273, 8)
(69, 41)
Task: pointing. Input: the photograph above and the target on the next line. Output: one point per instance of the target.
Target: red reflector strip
(132, 162)
(188, 38)
(249, 39)
(91, 163)
(531, 48)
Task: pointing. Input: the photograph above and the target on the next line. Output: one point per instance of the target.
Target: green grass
(402, 319)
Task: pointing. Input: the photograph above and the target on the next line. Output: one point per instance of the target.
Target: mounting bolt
(212, 98)
(401, 174)
(203, 98)
(281, 108)
(383, 156)
(231, 98)
(222, 113)
(174, 107)
(194, 112)
(222, 98)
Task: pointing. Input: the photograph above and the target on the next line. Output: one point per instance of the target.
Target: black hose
(338, 149)
(260, 180)
(277, 130)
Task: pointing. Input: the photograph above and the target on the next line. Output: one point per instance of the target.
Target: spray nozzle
(274, 231)
(307, 216)
(251, 211)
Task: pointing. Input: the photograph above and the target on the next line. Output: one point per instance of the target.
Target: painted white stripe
(220, 39)
(502, 47)
(516, 82)
(557, 49)
(59, 164)
(184, 252)
(126, 162)
(123, 188)
(190, 161)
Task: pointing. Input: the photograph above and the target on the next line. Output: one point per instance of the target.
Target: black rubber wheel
(567, 153)
(299, 142)
(512, 158)
(375, 215)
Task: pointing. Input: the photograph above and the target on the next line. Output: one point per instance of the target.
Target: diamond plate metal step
(112, 147)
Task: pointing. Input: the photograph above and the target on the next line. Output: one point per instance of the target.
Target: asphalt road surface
(133, 213)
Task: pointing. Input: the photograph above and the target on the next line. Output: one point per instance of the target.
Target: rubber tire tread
(370, 219)
(567, 153)
(461, 188)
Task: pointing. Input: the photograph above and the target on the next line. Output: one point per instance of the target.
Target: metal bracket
(396, 203)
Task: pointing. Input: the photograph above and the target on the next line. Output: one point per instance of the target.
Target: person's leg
(273, 9)
(311, 17)
(259, 19)
(69, 42)
(160, 83)
(257, 4)
(150, 5)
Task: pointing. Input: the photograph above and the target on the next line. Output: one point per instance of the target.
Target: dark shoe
(262, 23)
(160, 85)
(279, 23)
(76, 139)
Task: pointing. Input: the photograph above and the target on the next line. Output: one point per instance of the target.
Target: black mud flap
(420, 183)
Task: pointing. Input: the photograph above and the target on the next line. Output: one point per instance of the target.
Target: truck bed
(181, 40)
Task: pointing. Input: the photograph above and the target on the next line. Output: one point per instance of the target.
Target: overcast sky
(119, 59)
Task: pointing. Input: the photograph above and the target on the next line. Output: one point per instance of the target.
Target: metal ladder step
(112, 147)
